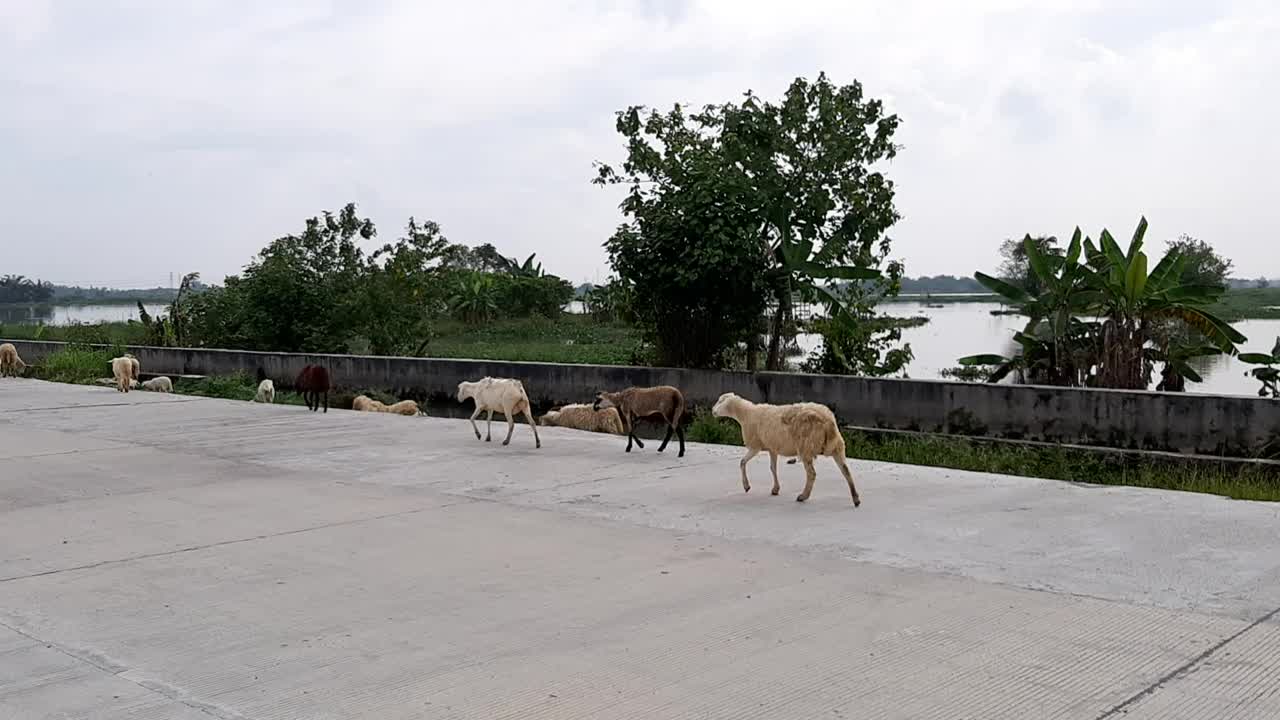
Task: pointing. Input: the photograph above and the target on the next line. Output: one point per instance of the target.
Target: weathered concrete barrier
(1237, 426)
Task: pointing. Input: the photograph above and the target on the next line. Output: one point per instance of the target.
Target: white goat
(583, 417)
(266, 392)
(10, 364)
(504, 395)
(158, 384)
(804, 430)
(125, 371)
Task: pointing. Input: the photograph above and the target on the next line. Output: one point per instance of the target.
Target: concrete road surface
(173, 558)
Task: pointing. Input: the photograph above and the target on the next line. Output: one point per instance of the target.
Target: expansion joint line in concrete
(236, 541)
(1186, 667)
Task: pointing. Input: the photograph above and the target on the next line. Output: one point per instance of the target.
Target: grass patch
(1052, 463)
(1248, 304)
(239, 386)
(77, 364)
(104, 333)
(567, 339)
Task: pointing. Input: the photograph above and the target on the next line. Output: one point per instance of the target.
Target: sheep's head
(721, 408)
(464, 391)
(603, 402)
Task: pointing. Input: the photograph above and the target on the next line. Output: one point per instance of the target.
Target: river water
(954, 330)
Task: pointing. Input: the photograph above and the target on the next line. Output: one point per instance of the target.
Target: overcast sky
(139, 138)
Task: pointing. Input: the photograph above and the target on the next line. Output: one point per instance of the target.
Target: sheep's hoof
(775, 491)
(856, 502)
(506, 442)
(801, 498)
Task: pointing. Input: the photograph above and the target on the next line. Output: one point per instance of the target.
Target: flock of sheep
(798, 430)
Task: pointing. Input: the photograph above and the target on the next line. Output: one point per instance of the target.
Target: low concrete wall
(1181, 422)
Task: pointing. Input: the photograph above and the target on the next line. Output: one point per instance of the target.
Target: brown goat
(313, 383)
(634, 403)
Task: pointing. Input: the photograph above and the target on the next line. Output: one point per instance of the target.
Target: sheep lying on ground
(10, 364)
(583, 417)
(313, 382)
(504, 395)
(634, 403)
(125, 371)
(803, 430)
(266, 392)
(159, 384)
(407, 408)
(364, 403)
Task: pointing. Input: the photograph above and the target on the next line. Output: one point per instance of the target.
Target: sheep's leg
(510, 414)
(773, 465)
(680, 435)
(475, 427)
(528, 415)
(809, 476)
(639, 442)
(848, 477)
(488, 428)
(326, 401)
(742, 465)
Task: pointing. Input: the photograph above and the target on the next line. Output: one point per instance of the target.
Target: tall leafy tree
(1202, 265)
(800, 176)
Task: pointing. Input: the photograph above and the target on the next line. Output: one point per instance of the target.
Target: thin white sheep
(583, 417)
(158, 384)
(125, 371)
(503, 395)
(266, 392)
(804, 430)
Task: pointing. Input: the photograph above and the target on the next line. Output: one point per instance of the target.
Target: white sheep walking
(158, 384)
(266, 392)
(125, 371)
(804, 430)
(504, 395)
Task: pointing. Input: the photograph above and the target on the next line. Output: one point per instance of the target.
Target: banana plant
(1050, 341)
(1135, 303)
(1177, 370)
(1269, 373)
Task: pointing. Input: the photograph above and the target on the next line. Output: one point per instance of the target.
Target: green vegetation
(1242, 303)
(1096, 467)
(567, 339)
(1142, 317)
(19, 289)
(735, 205)
(77, 364)
(1269, 371)
(106, 333)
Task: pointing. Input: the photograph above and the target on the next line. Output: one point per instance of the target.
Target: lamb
(805, 430)
(125, 371)
(634, 403)
(10, 364)
(504, 395)
(583, 417)
(313, 383)
(266, 392)
(158, 384)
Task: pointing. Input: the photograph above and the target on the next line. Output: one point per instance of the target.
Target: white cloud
(200, 130)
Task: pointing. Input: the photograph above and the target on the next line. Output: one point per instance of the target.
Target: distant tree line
(320, 290)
